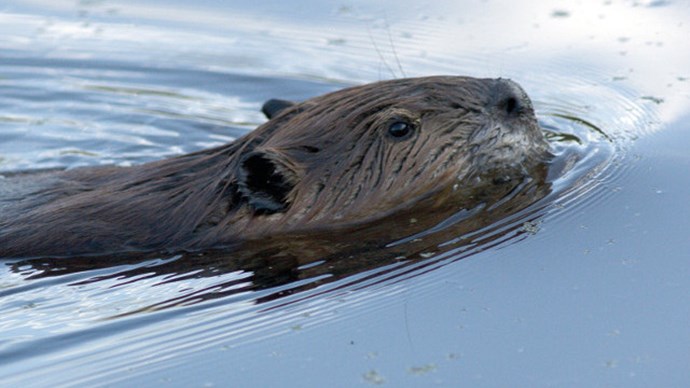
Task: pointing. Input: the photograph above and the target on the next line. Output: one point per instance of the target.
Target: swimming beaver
(351, 156)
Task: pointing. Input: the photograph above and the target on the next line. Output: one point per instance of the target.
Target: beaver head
(362, 152)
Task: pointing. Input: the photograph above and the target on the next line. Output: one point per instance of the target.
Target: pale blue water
(597, 296)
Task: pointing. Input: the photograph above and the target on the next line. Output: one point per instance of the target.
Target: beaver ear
(273, 106)
(265, 180)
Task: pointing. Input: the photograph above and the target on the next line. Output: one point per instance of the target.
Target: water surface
(586, 287)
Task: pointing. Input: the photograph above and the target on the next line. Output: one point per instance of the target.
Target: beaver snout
(509, 99)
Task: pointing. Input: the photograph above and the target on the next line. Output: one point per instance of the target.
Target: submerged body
(348, 157)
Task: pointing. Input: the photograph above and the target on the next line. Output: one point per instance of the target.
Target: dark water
(587, 287)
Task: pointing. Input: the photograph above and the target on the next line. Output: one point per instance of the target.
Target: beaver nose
(509, 98)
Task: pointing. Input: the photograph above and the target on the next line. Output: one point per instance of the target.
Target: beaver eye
(400, 129)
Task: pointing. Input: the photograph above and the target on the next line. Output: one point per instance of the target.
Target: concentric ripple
(71, 110)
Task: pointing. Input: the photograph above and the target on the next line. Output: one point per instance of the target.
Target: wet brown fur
(325, 162)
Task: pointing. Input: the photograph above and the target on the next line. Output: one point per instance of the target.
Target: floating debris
(374, 377)
(531, 227)
(422, 370)
(560, 13)
(653, 99)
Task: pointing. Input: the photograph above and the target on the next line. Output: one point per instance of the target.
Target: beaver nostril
(509, 98)
(511, 105)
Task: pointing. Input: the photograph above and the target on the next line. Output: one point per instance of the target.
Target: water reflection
(617, 66)
(420, 238)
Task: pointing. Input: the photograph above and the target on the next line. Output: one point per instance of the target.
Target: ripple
(155, 301)
(83, 105)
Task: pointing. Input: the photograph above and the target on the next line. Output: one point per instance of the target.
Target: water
(585, 288)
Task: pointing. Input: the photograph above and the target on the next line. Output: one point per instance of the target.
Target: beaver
(349, 157)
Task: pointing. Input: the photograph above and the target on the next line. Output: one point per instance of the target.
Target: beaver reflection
(419, 238)
(335, 180)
